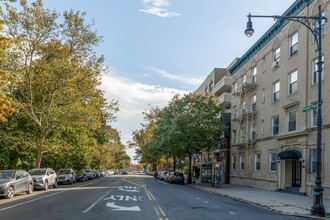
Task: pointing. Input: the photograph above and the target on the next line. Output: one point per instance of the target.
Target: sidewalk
(275, 201)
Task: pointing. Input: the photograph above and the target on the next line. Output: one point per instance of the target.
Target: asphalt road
(136, 197)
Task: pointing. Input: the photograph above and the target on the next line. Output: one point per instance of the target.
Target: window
(294, 44)
(275, 125)
(292, 121)
(276, 91)
(241, 162)
(243, 82)
(211, 86)
(242, 135)
(233, 163)
(205, 90)
(314, 118)
(262, 126)
(315, 68)
(276, 55)
(257, 161)
(264, 65)
(253, 103)
(234, 136)
(313, 164)
(293, 82)
(254, 75)
(253, 132)
(272, 162)
(235, 87)
(234, 112)
(243, 107)
(263, 95)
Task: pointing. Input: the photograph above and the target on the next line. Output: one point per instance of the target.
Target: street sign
(196, 158)
(310, 108)
(194, 155)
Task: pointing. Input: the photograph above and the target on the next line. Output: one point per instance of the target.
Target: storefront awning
(289, 155)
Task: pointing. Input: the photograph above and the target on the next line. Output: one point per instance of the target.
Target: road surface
(129, 197)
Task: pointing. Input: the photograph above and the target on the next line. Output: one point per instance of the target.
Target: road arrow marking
(122, 208)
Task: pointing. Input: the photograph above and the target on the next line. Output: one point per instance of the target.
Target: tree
(189, 125)
(143, 138)
(56, 68)
(7, 106)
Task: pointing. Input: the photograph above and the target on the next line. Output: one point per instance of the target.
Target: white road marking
(217, 206)
(23, 203)
(197, 198)
(122, 208)
(233, 213)
(129, 190)
(89, 208)
(206, 201)
(46, 196)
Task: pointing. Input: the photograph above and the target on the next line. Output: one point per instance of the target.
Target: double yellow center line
(159, 211)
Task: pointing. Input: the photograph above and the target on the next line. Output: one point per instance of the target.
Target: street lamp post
(314, 24)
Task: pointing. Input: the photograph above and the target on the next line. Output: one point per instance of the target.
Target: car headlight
(39, 180)
(4, 185)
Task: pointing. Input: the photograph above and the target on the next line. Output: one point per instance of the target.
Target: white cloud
(134, 98)
(185, 80)
(158, 7)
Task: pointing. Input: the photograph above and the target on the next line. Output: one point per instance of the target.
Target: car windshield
(79, 173)
(86, 170)
(63, 172)
(5, 174)
(37, 172)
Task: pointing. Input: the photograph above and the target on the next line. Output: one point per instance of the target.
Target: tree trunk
(174, 163)
(189, 173)
(39, 152)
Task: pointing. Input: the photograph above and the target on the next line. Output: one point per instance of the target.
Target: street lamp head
(249, 29)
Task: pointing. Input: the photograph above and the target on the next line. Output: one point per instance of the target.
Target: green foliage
(187, 125)
(55, 79)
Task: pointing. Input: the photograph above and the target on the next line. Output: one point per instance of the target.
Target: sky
(158, 48)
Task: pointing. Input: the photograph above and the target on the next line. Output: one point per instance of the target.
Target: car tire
(30, 189)
(11, 193)
(75, 180)
(55, 184)
(46, 186)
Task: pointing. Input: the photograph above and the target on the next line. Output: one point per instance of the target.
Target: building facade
(217, 84)
(273, 142)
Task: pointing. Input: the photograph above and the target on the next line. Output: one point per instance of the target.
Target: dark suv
(176, 177)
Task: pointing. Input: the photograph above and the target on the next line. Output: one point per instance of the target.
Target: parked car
(15, 181)
(124, 172)
(159, 174)
(101, 173)
(167, 177)
(163, 174)
(66, 176)
(176, 177)
(43, 178)
(81, 176)
(97, 173)
(90, 173)
(111, 172)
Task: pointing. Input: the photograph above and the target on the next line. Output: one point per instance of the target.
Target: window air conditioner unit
(275, 64)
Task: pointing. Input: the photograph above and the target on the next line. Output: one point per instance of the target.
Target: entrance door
(296, 173)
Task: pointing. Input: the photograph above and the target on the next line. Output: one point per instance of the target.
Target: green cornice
(294, 10)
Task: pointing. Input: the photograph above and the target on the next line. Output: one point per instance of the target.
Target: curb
(252, 203)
